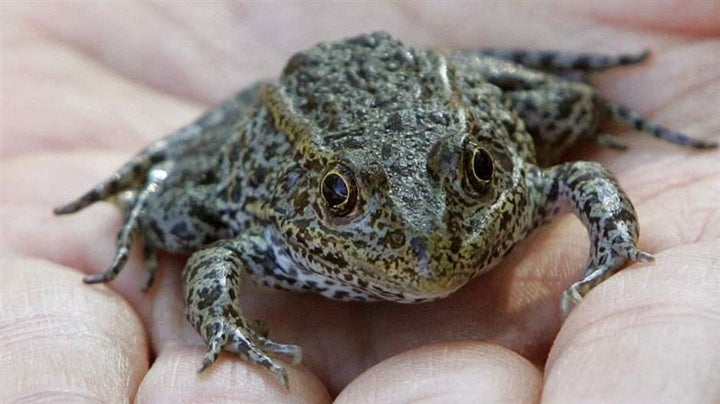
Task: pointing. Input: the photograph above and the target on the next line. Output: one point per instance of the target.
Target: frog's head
(408, 217)
(405, 201)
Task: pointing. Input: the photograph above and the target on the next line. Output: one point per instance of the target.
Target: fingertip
(645, 334)
(454, 372)
(174, 378)
(62, 338)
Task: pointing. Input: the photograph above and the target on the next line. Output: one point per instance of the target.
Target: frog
(370, 170)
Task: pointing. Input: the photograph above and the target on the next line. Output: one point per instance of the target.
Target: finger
(59, 338)
(677, 202)
(173, 378)
(457, 372)
(648, 334)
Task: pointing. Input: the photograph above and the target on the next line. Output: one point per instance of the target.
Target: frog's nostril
(419, 247)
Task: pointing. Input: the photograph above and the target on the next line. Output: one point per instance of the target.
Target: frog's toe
(258, 356)
(638, 255)
(215, 346)
(151, 266)
(570, 298)
(229, 337)
(594, 275)
(292, 351)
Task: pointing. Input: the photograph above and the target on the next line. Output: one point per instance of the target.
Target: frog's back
(384, 106)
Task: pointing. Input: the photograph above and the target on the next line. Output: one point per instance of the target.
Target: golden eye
(478, 168)
(339, 190)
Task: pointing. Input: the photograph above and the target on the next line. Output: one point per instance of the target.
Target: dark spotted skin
(440, 162)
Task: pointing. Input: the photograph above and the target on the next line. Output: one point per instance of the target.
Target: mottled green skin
(242, 188)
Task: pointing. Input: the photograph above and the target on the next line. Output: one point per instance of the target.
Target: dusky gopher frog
(374, 171)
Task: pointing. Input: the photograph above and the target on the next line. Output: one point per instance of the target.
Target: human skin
(84, 86)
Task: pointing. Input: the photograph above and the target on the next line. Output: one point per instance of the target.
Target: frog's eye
(339, 190)
(478, 168)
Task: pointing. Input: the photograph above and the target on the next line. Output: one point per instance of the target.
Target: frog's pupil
(335, 189)
(478, 167)
(482, 165)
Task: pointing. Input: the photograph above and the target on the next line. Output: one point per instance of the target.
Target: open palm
(85, 86)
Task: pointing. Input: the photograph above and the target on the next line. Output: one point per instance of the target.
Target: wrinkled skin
(513, 310)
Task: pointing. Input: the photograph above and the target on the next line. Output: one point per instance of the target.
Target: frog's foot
(212, 280)
(128, 231)
(149, 259)
(626, 116)
(595, 274)
(224, 334)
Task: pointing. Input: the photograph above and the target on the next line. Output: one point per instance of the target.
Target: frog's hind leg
(556, 116)
(155, 176)
(142, 175)
(575, 68)
(130, 176)
(628, 117)
(564, 61)
(202, 135)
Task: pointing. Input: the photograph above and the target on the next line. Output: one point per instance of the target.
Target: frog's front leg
(212, 280)
(604, 209)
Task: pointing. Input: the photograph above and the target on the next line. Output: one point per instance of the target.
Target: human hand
(85, 86)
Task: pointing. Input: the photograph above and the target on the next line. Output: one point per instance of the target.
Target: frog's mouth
(376, 282)
(408, 277)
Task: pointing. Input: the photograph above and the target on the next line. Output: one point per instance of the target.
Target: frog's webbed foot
(212, 278)
(143, 174)
(626, 116)
(603, 263)
(235, 335)
(605, 210)
(130, 228)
